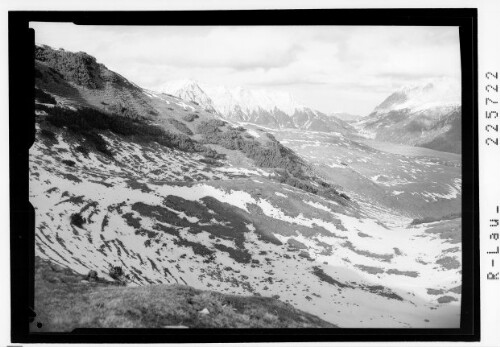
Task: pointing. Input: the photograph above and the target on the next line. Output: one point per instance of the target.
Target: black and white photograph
(246, 177)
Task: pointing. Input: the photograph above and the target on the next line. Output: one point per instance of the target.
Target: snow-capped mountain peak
(270, 108)
(189, 90)
(226, 100)
(252, 100)
(178, 85)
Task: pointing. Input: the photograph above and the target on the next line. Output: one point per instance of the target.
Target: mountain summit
(227, 100)
(191, 91)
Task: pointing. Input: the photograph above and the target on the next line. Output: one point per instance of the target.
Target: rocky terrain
(177, 194)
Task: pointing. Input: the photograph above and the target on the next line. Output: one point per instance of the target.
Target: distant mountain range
(426, 115)
(273, 109)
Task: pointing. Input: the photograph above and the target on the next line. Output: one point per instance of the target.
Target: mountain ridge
(274, 109)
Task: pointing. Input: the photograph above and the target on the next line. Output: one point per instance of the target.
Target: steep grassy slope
(66, 300)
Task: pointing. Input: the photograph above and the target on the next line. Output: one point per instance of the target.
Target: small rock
(84, 281)
(205, 311)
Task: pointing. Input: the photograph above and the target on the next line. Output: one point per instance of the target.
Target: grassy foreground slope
(65, 300)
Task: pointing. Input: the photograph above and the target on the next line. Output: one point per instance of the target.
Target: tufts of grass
(63, 302)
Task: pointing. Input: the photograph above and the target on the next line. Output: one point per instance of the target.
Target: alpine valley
(204, 206)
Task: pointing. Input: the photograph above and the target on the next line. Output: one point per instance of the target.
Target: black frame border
(21, 131)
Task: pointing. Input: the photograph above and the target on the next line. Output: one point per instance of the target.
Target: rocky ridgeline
(80, 79)
(79, 68)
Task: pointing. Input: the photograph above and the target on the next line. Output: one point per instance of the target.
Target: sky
(330, 68)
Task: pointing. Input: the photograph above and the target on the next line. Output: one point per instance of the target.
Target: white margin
(489, 59)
